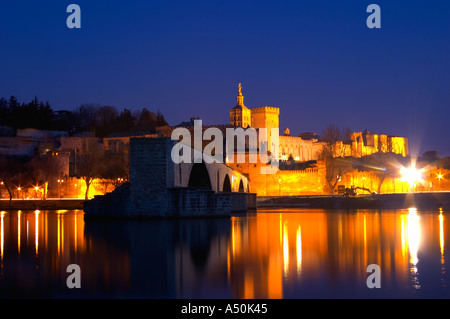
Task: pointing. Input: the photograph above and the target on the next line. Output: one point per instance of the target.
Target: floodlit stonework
(311, 179)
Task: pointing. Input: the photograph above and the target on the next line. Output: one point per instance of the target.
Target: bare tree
(10, 170)
(89, 164)
(105, 120)
(383, 165)
(45, 168)
(332, 153)
(84, 117)
(116, 169)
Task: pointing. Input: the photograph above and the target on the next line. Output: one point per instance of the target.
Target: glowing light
(411, 175)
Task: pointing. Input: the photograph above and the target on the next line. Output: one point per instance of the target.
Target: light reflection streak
(281, 229)
(36, 239)
(228, 264)
(75, 231)
(299, 250)
(285, 248)
(365, 239)
(413, 243)
(2, 236)
(19, 213)
(441, 244)
(441, 235)
(403, 235)
(413, 235)
(58, 234)
(365, 232)
(233, 239)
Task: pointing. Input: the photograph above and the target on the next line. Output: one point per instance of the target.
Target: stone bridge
(215, 176)
(159, 187)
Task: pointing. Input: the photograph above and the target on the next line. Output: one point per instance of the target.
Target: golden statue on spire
(240, 97)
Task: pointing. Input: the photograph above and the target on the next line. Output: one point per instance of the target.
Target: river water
(289, 253)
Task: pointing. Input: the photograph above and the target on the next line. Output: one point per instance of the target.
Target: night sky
(316, 60)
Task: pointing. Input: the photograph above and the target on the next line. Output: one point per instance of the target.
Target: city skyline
(317, 61)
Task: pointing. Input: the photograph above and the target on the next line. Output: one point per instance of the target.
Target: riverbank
(381, 201)
(432, 200)
(48, 204)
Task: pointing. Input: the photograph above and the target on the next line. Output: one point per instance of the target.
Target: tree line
(38, 171)
(26, 172)
(101, 120)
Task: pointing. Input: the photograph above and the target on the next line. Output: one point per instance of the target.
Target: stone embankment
(49, 204)
(381, 201)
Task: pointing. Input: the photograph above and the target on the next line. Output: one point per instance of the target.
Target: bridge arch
(241, 187)
(226, 184)
(199, 177)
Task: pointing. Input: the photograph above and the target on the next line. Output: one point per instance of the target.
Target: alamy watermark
(189, 149)
(374, 279)
(74, 279)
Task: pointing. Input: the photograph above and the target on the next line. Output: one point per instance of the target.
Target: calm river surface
(291, 253)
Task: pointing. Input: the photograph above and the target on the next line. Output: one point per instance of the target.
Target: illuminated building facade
(307, 148)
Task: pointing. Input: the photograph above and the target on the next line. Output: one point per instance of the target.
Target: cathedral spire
(240, 97)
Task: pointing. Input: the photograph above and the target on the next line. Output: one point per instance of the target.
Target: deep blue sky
(316, 60)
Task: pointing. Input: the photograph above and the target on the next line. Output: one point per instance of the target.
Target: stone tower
(266, 117)
(240, 115)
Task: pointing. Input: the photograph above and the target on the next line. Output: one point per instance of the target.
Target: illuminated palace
(307, 147)
(293, 178)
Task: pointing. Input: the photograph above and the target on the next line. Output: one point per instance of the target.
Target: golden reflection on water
(36, 232)
(414, 234)
(299, 251)
(46, 229)
(2, 236)
(285, 249)
(287, 243)
(263, 255)
(441, 235)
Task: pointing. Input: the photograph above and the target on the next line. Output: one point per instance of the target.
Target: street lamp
(59, 186)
